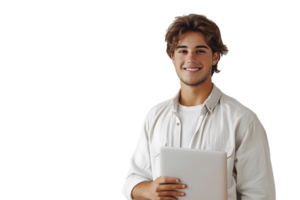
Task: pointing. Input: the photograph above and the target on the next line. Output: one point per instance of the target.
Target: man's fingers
(169, 180)
(171, 187)
(171, 193)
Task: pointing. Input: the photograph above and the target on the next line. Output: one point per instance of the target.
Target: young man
(200, 116)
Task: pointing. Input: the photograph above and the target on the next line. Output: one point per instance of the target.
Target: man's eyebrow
(201, 46)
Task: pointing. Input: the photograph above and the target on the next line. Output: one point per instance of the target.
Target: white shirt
(227, 126)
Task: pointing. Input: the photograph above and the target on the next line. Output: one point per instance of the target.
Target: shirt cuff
(130, 184)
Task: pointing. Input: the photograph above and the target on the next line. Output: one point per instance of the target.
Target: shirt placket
(177, 130)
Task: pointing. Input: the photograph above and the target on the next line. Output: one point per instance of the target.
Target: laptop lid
(204, 172)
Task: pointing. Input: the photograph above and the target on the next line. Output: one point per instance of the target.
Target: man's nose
(191, 57)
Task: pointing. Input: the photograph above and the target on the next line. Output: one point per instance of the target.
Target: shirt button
(177, 124)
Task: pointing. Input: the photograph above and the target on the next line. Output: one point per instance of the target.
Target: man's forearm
(139, 192)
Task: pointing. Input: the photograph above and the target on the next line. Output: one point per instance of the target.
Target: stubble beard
(207, 75)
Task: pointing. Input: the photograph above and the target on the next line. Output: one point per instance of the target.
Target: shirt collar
(210, 102)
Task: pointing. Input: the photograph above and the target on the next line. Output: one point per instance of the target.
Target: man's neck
(195, 95)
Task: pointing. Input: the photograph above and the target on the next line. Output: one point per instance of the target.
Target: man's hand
(162, 188)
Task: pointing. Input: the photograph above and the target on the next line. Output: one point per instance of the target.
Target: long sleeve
(253, 165)
(140, 166)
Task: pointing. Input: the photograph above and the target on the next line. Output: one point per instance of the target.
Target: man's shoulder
(160, 108)
(235, 107)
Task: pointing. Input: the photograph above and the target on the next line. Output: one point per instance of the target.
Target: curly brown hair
(199, 24)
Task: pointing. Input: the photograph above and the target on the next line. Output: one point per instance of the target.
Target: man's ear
(172, 56)
(216, 58)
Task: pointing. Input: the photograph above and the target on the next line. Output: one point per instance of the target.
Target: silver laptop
(204, 172)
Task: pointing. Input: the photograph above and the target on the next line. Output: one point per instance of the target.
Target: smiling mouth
(192, 69)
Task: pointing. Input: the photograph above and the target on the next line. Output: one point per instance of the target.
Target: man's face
(193, 53)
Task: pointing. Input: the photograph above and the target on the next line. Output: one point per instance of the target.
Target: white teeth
(190, 69)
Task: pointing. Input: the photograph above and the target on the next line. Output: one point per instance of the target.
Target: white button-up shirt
(227, 126)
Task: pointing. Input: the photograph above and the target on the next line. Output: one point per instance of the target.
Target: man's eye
(200, 51)
(182, 51)
(197, 51)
